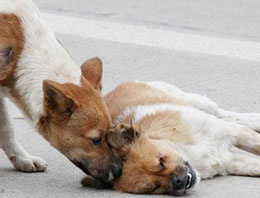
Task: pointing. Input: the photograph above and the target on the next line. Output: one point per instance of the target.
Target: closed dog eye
(97, 141)
(162, 162)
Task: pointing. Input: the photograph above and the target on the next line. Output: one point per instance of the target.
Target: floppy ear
(121, 135)
(55, 101)
(6, 57)
(92, 70)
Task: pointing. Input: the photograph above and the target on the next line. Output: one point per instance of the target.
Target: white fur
(215, 133)
(42, 58)
(15, 152)
(203, 103)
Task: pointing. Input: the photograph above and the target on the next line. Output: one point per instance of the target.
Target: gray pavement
(232, 83)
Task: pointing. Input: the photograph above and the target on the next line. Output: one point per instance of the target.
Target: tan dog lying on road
(62, 102)
(177, 138)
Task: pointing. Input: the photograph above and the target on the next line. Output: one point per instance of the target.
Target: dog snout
(182, 179)
(105, 177)
(179, 183)
(116, 170)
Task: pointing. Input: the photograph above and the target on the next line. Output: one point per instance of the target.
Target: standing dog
(61, 101)
(177, 138)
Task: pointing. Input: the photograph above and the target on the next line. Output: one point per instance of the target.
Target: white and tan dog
(178, 138)
(60, 100)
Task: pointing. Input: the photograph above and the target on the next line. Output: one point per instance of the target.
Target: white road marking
(158, 38)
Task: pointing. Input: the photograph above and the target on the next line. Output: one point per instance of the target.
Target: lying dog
(62, 102)
(177, 138)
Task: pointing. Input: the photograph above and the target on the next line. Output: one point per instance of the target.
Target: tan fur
(92, 69)
(164, 125)
(132, 94)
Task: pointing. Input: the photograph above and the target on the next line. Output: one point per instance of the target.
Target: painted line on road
(138, 35)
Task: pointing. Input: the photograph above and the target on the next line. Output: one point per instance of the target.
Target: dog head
(150, 165)
(76, 121)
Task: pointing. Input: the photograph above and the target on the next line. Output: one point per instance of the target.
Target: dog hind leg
(21, 160)
(251, 120)
(203, 103)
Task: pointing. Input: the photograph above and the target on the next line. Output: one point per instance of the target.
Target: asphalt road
(217, 53)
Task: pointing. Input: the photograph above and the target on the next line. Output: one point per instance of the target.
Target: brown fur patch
(165, 125)
(131, 94)
(11, 41)
(89, 102)
(92, 70)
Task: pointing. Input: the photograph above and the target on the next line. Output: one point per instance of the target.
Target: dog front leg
(245, 138)
(243, 163)
(21, 160)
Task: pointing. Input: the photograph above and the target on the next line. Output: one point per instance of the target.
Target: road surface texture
(207, 47)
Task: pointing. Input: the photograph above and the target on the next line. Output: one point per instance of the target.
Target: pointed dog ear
(92, 70)
(55, 100)
(6, 57)
(121, 136)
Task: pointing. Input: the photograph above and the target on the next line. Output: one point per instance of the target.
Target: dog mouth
(93, 181)
(192, 177)
(189, 182)
(106, 180)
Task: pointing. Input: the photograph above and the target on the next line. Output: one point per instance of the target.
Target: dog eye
(96, 141)
(162, 162)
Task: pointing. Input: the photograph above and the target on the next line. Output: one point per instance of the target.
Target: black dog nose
(178, 183)
(116, 170)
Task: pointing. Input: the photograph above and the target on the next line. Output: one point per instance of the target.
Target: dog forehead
(142, 149)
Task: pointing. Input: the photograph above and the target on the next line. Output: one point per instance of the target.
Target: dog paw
(29, 163)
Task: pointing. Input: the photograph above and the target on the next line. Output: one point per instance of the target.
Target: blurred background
(202, 46)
